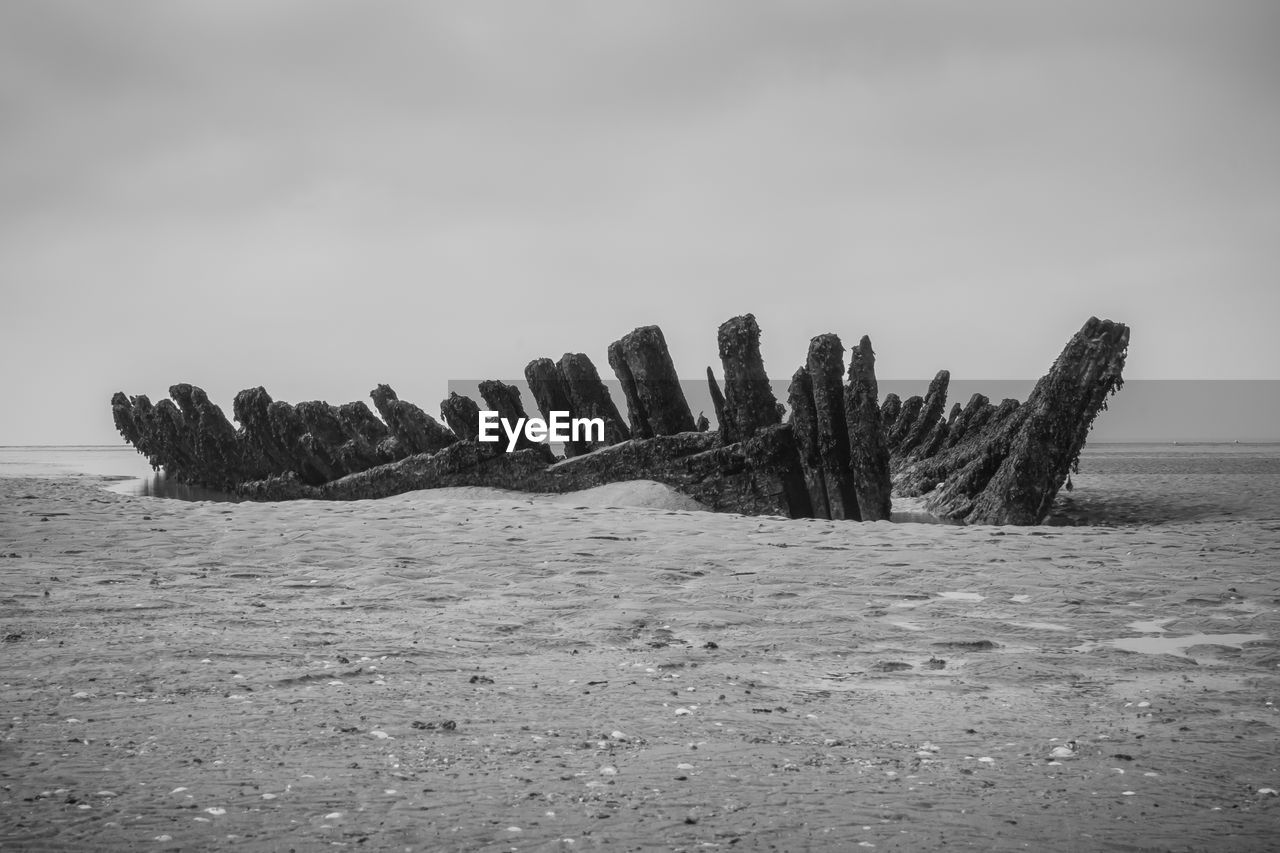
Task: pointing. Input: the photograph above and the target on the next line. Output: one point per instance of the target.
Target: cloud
(411, 177)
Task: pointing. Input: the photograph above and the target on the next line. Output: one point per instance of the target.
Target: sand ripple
(476, 670)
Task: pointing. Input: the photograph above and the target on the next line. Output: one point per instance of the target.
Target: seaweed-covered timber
(213, 437)
(825, 365)
(717, 399)
(833, 458)
(462, 415)
(505, 400)
(414, 429)
(589, 398)
(972, 417)
(868, 452)
(655, 400)
(1009, 471)
(904, 422)
(889, 410)
(839, 432)
(935, 401)
(749, 403)
(551, 394)
(804, 427)
(932, 442)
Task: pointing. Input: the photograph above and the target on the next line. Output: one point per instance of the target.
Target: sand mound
(640, 494)
(635, 493)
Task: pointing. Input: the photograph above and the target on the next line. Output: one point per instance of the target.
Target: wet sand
(477, 670)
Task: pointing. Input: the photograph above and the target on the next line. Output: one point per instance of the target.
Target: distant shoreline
(1161, 442)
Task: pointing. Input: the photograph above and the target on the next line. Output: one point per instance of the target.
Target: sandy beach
(617, 670)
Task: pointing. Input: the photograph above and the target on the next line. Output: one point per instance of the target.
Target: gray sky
(320, 196)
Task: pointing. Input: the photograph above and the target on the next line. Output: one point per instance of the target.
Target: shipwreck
(834, 451)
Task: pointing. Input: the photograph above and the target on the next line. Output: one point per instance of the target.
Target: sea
(130, 470)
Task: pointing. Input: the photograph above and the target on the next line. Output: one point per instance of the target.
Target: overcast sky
(320, 196)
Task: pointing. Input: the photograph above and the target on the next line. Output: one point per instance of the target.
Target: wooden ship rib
(840, 453)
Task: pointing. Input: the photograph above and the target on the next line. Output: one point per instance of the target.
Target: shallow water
(1179, 645)
(101, 460)
(961, 596)
(157, 486)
